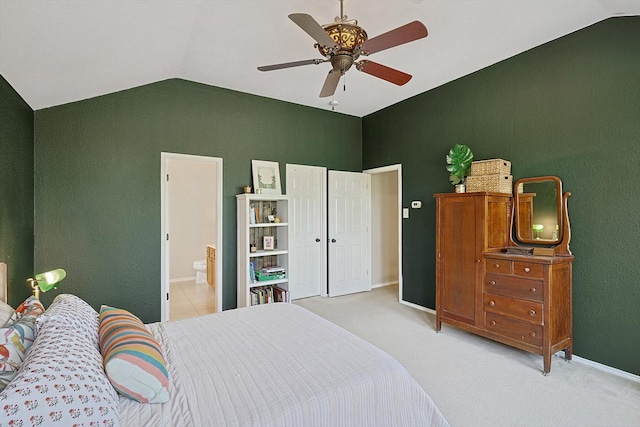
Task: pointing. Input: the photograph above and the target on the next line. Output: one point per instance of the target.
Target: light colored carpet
(478, 382)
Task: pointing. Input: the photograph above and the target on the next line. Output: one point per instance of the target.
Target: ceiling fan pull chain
(344, 82)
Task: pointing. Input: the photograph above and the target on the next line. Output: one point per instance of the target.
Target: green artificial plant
(458, 163)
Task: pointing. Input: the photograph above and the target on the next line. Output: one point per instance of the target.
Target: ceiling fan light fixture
(348, 36)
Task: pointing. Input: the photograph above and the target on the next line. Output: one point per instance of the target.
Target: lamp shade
(46, 281)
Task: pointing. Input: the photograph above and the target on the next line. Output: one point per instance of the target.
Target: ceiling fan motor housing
(341, 62)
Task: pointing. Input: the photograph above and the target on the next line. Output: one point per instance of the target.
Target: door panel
(306, 188)
(349, 233)
(458, 254)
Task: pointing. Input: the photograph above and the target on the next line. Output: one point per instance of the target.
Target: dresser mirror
(538, 210)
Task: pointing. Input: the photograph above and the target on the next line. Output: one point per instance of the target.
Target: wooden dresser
(526, 303)
(468, 225)
(520, 300)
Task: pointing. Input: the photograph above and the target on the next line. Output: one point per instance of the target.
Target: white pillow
(6, 311)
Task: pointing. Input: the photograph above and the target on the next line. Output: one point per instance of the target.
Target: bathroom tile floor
(188, 299)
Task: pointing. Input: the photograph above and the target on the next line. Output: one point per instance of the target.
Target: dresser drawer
(512, 328)
(512, 286)
(526, 269)
(498, 266)
(528, 311)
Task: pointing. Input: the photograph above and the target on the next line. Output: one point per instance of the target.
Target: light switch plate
(405, 212)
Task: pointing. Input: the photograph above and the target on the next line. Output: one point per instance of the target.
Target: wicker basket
(491, 167)
(490, 183)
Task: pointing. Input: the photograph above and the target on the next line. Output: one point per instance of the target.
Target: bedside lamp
(46, 281)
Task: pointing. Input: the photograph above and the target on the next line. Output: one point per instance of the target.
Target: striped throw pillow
(132, 357)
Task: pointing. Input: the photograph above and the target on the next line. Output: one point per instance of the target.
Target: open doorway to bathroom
(191, 211)
(386, 227)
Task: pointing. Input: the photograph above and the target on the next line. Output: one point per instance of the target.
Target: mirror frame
(559, 208)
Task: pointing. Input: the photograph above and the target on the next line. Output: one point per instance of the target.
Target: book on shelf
(252, 215)
(268, 295)
(252, 272)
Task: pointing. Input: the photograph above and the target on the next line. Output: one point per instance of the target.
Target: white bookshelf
(251, 230)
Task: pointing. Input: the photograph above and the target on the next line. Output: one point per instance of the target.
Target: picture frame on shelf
(268, 243)
(266, 177)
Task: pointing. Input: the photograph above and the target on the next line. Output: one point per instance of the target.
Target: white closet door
(349, 233)
(306, 188)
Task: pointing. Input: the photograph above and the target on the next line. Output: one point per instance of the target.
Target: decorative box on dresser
(488, 284)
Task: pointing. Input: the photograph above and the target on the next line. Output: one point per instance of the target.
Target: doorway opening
(386, 227)
(191, 220)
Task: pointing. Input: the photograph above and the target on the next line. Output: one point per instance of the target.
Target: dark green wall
(16, 191)
(98, 196)
(569, 108)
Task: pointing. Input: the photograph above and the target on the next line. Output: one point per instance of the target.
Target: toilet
(200, 267)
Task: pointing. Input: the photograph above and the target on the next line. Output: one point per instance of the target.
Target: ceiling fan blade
(407, 33)
(290, 64)
(311, 27)
(383, 72)
(330, 84)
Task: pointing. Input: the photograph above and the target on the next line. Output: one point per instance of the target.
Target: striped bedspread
(278, 365)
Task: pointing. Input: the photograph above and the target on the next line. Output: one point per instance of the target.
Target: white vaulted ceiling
(55, 52)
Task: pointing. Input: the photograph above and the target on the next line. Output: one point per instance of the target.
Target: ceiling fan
(343, 42)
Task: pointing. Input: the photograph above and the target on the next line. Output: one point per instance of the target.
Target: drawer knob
(493, 283)
(493, 323)
(532, 289)
(527, 269)
(532, 312)
(492, 303)
(532, 334)
(497, 265)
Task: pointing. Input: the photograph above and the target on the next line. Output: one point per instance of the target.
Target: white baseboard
(182, 279)
(418, 307)
(604, 368)
(380, 285)
(577, 359)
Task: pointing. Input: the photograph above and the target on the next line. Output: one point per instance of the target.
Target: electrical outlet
(416, 204)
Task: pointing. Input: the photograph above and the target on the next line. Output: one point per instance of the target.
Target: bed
(268, 365)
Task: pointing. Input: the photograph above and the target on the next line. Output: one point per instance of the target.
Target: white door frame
(398, 169)
(164, 222)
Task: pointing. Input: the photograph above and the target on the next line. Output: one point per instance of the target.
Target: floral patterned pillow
(6, 311)
(74, 312)
(62, 381)
(16, 338)
(29, 307)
